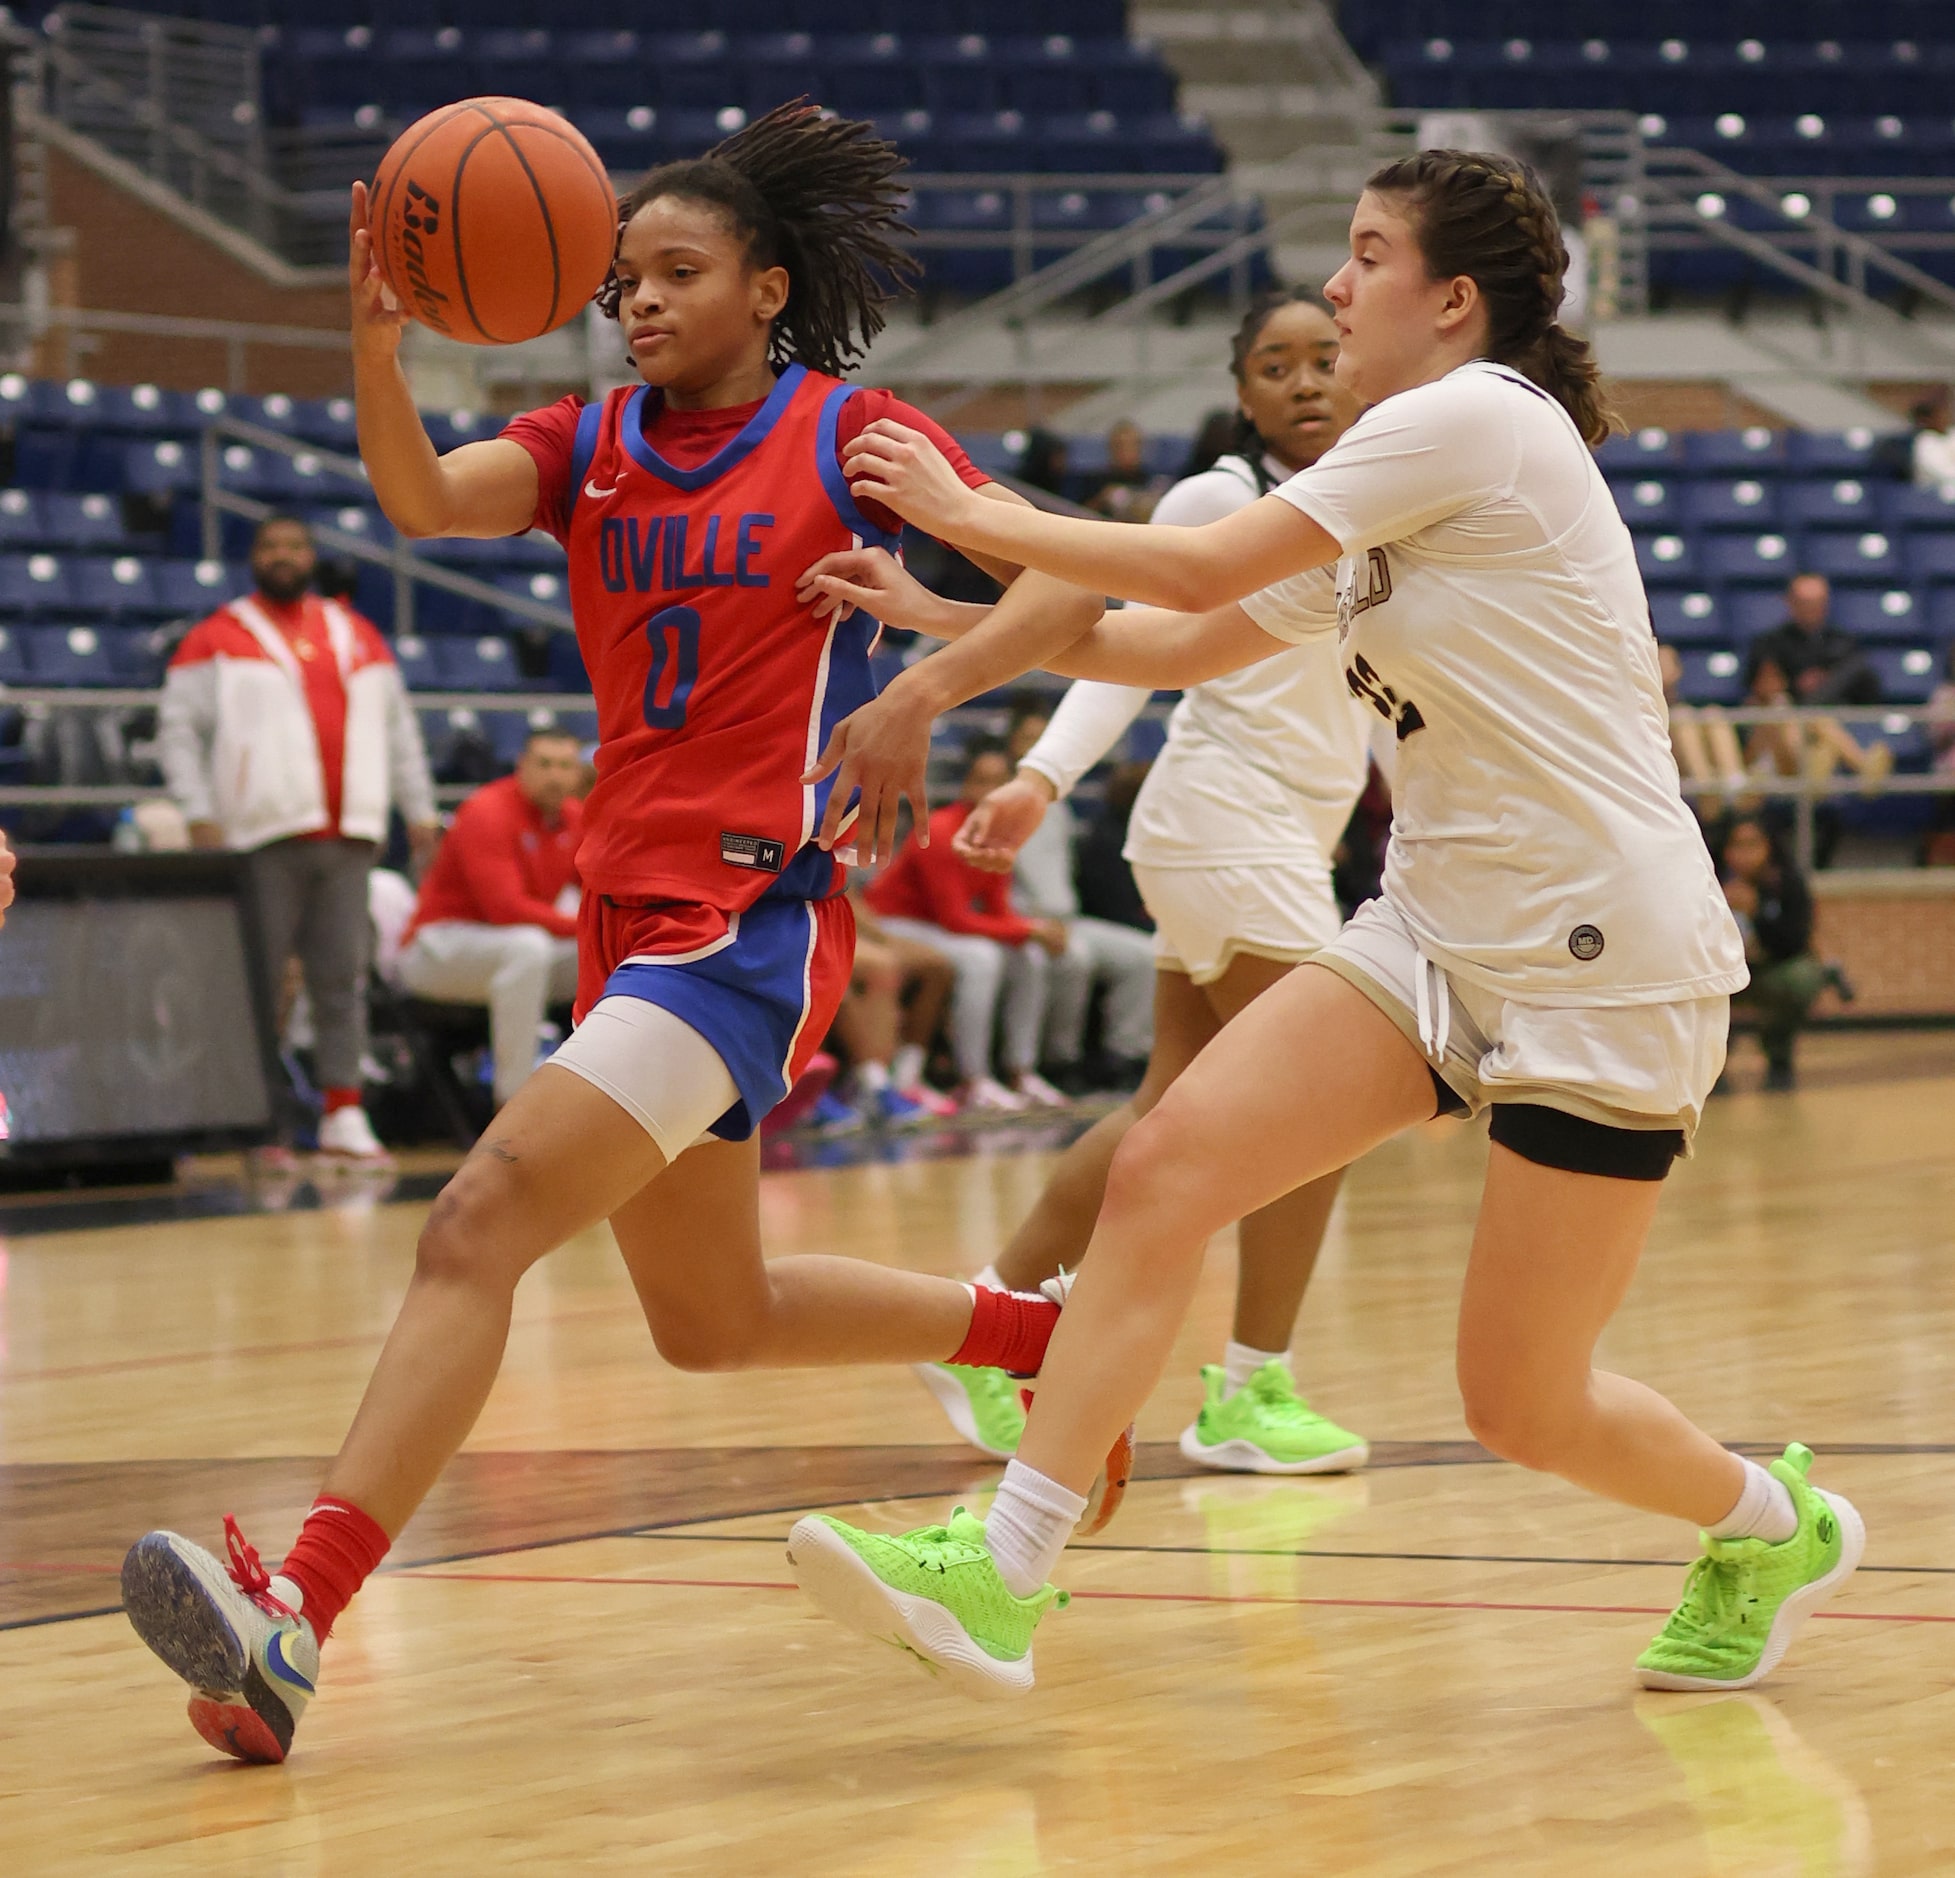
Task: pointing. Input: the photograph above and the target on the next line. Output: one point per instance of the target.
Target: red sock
(338, 1547)
(341, 1099)
(1008, 1331)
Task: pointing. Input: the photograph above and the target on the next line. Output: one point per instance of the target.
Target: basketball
(493, 220)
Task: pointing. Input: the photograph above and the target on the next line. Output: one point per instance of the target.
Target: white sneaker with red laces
(347, 1135)
(232, 1631)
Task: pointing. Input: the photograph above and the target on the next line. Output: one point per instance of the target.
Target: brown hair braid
(1487, 217)
(819, 195)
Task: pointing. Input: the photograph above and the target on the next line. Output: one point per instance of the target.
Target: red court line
(1174, 1597)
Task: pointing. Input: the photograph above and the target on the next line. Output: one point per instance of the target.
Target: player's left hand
(6, 878)
(903, 470)
(877, 755)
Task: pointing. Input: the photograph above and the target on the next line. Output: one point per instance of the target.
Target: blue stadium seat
(1930, 554)
(1749, 559)
(1908, 507)
(1670, 559)
(160, 469)
(1752, 452)
(1688, 618)
(1712, 677)
(1845, 503)
(1879, 613)
(34, 585)
(415, 657)
(1646, 501)
(81, 522)
(191, 589)
(44, 456)
(484, 664)
(1715, 503)
(121, 588)
(1827, 452)
(1646, 452)
(1842, 556)
(328, 422)
(20, 520)
(70, 655)
(1907, 673)
(1754, 610)
(139, 655)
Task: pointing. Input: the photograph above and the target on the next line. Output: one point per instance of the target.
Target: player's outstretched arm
(1184, 568)
(1164, 651)
(482, 489)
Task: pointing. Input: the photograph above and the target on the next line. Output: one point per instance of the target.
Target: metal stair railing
(408, 568)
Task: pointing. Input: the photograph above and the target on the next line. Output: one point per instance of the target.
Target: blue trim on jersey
(583, 446)
(747, 1000)
(631, 429)
(832, 478)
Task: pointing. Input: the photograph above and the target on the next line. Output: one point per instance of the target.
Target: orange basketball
(493, 220)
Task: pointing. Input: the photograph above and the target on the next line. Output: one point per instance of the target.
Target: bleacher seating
(1848, 103)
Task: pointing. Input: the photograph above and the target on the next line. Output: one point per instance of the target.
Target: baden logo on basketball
(1586, 943)
(420, 223)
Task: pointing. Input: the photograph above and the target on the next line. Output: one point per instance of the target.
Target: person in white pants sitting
(497, 919)
(1098, 951)
(1002, 959)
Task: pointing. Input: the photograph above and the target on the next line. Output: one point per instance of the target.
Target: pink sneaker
(988, 1097)
(931, 1101)
(1040, 1094)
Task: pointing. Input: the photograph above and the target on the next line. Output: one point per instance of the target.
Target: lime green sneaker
(1745, 1598)
(1265, 1427)
(982, 1405)
(934, 1593)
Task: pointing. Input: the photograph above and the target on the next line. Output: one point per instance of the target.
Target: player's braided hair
(1245, 440)
(1488, 217)
(817, 195)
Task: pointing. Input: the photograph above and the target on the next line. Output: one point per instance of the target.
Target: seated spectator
(497, 919)
(1814, 747)
(1701, 738)
(1044, 462)
(1099, 952)
(1107, 889)
(1821, 663)
(1124, 490)
(1932, 454)
(1773, 906)
(1002, 959)
(895, 1001)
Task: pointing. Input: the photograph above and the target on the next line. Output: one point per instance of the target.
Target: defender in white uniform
(1231, 843)
(1551, 942)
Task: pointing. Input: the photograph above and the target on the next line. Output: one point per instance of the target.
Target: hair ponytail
(818, 195)
(1487, 217)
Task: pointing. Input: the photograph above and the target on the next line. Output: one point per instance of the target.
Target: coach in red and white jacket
(285, 733)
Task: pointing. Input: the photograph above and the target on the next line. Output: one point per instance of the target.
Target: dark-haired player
(1551, 942)
(714, 938)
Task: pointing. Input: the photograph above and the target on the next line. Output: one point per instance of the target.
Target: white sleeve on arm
(1091, 719)
(1299, 609)
(1412, 461)
(186, 724)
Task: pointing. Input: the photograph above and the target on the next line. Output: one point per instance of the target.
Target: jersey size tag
(753, 851)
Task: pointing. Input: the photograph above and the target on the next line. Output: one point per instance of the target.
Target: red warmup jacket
(501, 864)
(937, 885)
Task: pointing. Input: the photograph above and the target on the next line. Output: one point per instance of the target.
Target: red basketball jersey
(716, 688)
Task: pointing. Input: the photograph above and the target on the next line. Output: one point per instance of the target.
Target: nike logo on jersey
(660, 553)
(595, 493)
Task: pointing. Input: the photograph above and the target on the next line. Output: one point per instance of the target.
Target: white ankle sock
(1028, 1526)
(1240, 1362)
(906, 1066)
(990, 1280)
(1764, 1510)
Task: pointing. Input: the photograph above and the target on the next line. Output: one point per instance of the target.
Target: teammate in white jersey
(1231, 844)
(1551, 941)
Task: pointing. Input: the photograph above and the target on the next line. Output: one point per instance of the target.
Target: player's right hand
(1002, 823)
(6, 878)
(874, 580)
(378, 320)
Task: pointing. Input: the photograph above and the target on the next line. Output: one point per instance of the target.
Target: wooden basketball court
(586, 1654)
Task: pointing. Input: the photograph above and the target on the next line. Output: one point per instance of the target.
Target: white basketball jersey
(1489, 607)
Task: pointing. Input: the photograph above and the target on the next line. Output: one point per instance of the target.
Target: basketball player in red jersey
(714, 943)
